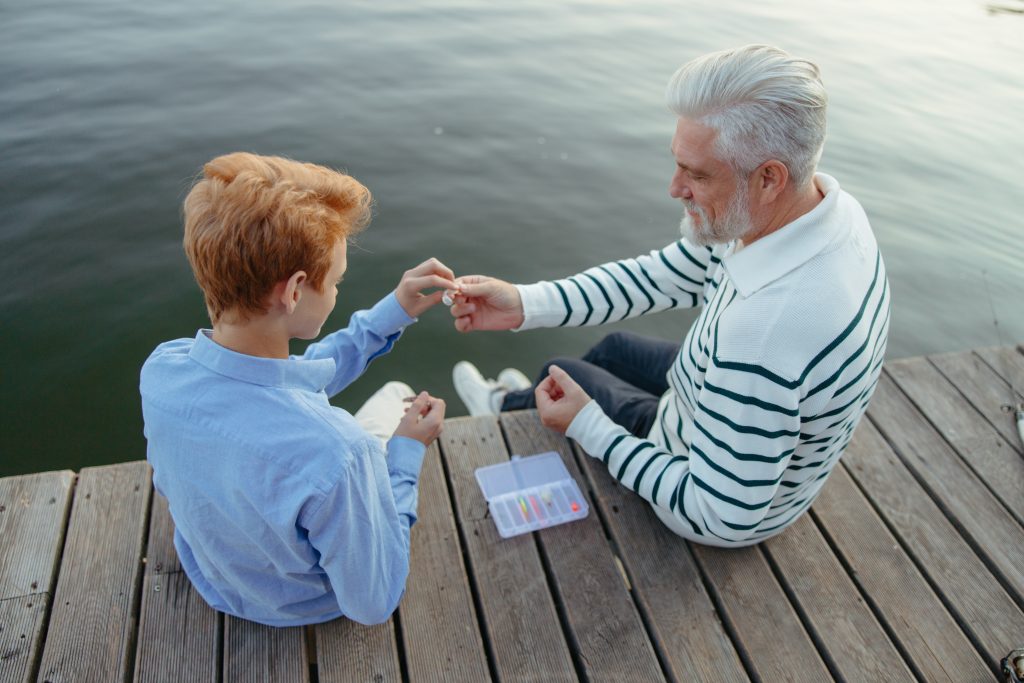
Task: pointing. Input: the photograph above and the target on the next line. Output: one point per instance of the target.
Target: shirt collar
(294, 373)
(769, 258)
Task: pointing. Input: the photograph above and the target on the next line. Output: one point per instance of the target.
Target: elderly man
(730, 435)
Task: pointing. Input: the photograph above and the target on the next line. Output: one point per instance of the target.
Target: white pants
(383, 411)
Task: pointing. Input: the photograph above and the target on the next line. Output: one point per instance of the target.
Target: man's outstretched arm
(673, 277)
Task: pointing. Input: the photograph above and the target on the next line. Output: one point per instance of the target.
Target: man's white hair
(764, 103)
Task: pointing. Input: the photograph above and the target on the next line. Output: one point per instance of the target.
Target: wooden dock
(910, 566)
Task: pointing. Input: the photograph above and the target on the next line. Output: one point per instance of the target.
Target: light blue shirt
(286, 511)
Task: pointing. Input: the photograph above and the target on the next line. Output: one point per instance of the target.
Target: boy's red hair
(252, 221)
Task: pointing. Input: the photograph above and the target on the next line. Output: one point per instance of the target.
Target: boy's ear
(291, 292)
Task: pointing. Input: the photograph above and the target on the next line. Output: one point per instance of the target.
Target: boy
(287, 510)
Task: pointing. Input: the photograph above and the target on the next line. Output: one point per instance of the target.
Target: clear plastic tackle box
(530, 493)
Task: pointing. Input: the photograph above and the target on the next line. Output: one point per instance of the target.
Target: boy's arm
(370, 333)
(361, 529)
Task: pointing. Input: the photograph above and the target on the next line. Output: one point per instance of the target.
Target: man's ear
(289, 292)
(770, 179)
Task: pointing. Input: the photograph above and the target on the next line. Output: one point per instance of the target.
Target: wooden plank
(92, 626)
(1008, 363)
(979, 603)
(440, 630)
(986, 389)
(33, 512)
(179, 633)
(347, 651)
(520, 621)
(667, 587)
(605, 628)
(857, 645)
(21, 625)
(254, 653)
(986, 452)
(914, 614)
(990, 527)
(777, 646)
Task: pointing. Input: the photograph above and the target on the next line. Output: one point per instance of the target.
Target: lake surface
(525, 140)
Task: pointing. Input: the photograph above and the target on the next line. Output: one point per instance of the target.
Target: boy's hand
(486, 303)
(431, 273)
(559, 399)
(423, 419)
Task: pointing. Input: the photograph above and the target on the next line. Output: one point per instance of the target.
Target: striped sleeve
(672, 277)
(745, 429)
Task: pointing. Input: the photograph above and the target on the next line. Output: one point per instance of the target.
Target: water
(524, 140)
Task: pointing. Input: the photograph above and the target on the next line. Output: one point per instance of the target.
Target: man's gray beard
(735, 223)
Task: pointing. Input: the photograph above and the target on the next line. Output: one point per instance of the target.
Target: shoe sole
(466, 368)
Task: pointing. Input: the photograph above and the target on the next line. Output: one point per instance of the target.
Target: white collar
(769, 258)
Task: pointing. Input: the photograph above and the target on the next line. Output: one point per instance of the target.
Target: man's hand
(430, 273)
(423, 419)
(559, 399)
(486, 303)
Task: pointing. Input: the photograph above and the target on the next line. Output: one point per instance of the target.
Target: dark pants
(624, 373)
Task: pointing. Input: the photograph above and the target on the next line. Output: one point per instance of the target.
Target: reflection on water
(524, 140)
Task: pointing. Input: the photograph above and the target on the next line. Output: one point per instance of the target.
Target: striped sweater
(770, 380)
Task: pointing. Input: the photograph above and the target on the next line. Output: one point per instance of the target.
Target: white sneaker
(481, 396)
(513, 380)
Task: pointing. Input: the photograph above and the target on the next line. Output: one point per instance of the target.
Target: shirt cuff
(388, 317)
(542, 306)
(405, 456)
(591, 429)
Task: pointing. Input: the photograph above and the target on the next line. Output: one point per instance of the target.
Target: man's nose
(678, 188)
